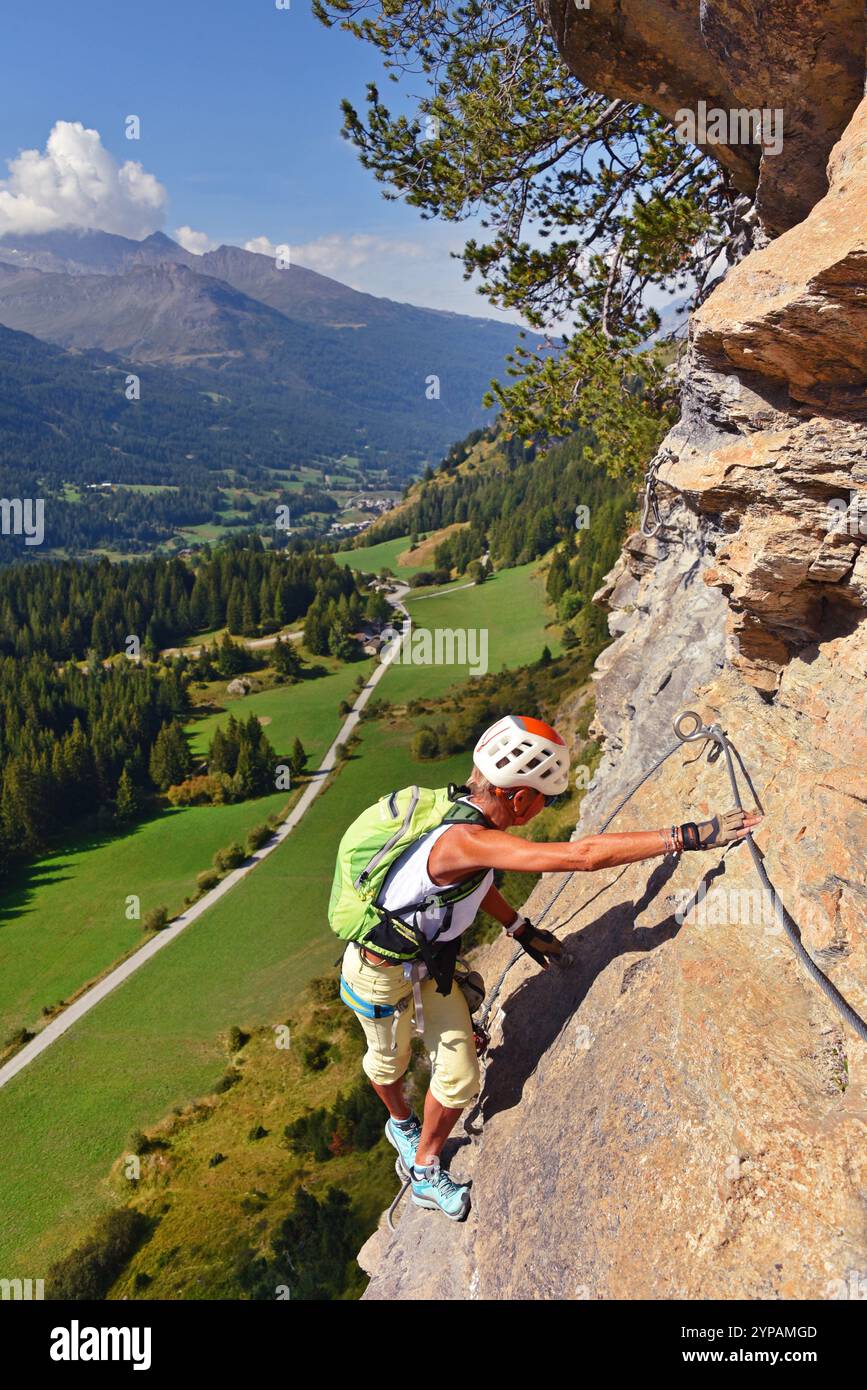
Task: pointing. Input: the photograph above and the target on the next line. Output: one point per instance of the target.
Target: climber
(429, 896)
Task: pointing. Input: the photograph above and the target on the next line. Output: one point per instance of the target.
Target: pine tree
(127, 799)
(170, 761)
(249, 624)
(285, 659)
(235, 610)
(299, 758)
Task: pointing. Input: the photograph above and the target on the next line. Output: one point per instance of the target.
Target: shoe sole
(435, 1206)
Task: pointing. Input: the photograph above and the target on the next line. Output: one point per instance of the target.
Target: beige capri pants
(448, 1031)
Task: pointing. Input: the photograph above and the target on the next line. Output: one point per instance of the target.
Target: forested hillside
(519, 501)
(76, 737)
(72, 609)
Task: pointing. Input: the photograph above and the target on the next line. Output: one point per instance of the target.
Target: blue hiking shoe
(405, 1139)
(432, 1187)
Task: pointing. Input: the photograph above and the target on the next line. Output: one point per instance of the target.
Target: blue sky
(240, 120)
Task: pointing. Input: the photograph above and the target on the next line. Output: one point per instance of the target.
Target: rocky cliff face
(802, 57)
(677, 1111)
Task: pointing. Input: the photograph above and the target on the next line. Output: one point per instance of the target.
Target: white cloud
(76, 182)
(338, 255)
(195, 242)
(263, 246)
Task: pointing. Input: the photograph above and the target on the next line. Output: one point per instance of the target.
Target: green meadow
(63, 921)
(510, 608)
(372, 558)
(307, 709)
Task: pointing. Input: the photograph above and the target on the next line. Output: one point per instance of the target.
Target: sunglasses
(548, 800)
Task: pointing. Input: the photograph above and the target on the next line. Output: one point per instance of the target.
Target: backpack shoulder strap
(463, 810)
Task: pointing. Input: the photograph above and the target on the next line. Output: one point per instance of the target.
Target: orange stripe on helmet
(538, 726)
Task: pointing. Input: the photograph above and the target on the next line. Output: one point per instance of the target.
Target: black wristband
(691, 837)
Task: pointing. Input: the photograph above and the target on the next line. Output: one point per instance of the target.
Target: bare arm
(494, 903)
(465, 848)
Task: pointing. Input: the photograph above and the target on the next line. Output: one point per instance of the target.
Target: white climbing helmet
(519, 751)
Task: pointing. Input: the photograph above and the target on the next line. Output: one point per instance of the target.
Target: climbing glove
(537, 942)
(721, 829)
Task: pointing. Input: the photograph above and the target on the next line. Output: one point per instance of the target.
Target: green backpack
(369, 848)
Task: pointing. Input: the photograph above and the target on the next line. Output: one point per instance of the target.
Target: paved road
(73, 1012)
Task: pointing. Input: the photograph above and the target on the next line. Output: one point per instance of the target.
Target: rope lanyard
(650, 507)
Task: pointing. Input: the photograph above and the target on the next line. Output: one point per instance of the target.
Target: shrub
(137, 1142)
(207, 879)
(317, 1242)
(375, 709)
(426, 577)
(353, 1122)
(257, 1132)
(425, 744)
(216, 1159)
(237, 1039)
(195, 791)
(229, 1079)
(89, 1271)
(156, 920)
(231, 857)
(257, 837)
(314, 1053)
(325, 989)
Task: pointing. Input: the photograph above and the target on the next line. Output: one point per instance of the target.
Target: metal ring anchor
(699, 732)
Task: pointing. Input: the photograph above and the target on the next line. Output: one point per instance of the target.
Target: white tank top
(408, 881)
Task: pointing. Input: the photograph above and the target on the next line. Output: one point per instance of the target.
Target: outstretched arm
(463, 849)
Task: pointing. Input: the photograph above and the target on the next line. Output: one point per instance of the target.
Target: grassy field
(371, 558)
(510, 608)
(159, 1041)
(287, 711)
(63, 921)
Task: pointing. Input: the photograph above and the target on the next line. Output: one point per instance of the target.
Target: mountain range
(345, 371)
